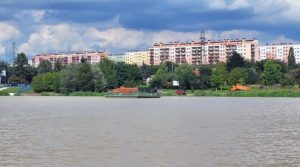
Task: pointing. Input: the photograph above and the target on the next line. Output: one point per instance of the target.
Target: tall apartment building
(209, 52)
(137, 57)
(279, 52)
(117, 58)
(69, 57)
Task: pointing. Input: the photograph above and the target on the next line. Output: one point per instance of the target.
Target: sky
(40, 26)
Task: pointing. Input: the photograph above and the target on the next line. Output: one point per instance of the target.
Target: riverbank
(255, 92)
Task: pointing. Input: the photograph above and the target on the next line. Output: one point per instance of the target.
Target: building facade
(117, 58)
(137, 57)
(279, 52)
(70, 57)
(209, 52)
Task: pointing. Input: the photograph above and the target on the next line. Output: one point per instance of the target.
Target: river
(165, 132)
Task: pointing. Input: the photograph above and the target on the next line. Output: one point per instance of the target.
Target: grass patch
(81, 93)
(256, 92)
(9, 90)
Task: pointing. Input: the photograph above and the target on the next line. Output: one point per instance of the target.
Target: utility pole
(202, 40)
(14, 50)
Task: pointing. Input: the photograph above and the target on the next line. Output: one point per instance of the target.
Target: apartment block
(69, 57)
(137, 57)
(279, 52)
(117, 58)
(209, 52)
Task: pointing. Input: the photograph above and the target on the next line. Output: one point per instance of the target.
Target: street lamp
(2, 73)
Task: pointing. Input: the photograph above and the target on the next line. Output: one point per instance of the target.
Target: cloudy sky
(39, 26)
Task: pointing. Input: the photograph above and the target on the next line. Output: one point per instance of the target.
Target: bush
(237, 75)
(2, 93)
(17, 80)
(48, 82)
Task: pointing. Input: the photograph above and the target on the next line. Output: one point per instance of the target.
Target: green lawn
(7, 91)
(256, 92)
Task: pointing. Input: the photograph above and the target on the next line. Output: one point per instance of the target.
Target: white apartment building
(137, 57)
(209, 52)
(279, 52)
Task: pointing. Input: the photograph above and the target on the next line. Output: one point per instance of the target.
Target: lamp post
(3, 73)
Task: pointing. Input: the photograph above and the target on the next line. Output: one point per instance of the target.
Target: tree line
(107, 74)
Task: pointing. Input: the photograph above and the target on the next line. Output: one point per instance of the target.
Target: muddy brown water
(165, 132)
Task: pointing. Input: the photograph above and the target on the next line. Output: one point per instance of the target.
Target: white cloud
(237, 4)
(284, 39)
(293, 13)
(60, 37)
(8, 32)
(2, 49)
(36, 15)
(69, 37)
(115, 37)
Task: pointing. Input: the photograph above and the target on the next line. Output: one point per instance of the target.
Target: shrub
(48, 82)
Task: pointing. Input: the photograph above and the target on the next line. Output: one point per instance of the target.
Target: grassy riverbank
(256, 92)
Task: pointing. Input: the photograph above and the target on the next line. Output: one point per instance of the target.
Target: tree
(30, 73)
(252, 76)
(69, 79)
(128, 74)
(5, 66)
(82, 77)
(21, 63)
(98, 80)
(237, 75)
(58, 66)
(85, 76)
(235, 60)
(272, 73)
(296, 75)
(44, 67)
(160, 79)
(108, 68)
(203, 81)
(147, 71)
(47, 82)
(288, 79)
(219, 76)
(184, 74)
(291, 59)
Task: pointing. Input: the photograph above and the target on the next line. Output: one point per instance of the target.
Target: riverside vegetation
(267, 77)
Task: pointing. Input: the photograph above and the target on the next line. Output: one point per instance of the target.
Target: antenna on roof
(202, 36)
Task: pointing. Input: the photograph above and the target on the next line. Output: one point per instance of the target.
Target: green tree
(160, 79)
(296, 76)
(58, 66)
(21, 62)
(98, 80)
(203, 81)
(288, 79)
(30, 73)
(108, 68)
(69, 79)
(82, 77)
(219, 76)
(184, 74)
(291, 59)
(237, 75)
(252, 76)
(47, 82)
(147, 71)
(5, 66)
(235, 60)
(128, 75)
(44, 67)
(272, 73)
